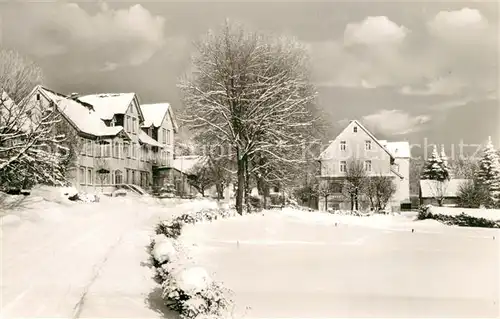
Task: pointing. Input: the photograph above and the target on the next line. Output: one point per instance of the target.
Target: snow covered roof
(432, 188)
(107, 105)
(78, 114)
(185, 164)
(146, 139)
(154, 113)
(399, 149)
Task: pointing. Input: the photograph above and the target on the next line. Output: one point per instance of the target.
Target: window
(132, 181)
(168, 137)
(118, 177)
(126, 150)
(89, 148)
(167, 160)
(368, 145)
(83, 143)
(343, 145)
(368, 166)
(355, 129)
(134, 125)
(116, 150)
(134, 150)
(89, 176)
(343, 166)
(113, 122)
(164, 136)
(81, 175)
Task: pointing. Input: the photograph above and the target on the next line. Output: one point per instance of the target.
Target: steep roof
(108, 104)
(81, 116)
(154, 113)
(431, 188)
(382, 146)
(146, 139)
(186, 164)
(398, 149)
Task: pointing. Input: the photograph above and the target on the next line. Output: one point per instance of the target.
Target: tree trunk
(326, 203)
(241, 183)
(352, 202)
(247, 183)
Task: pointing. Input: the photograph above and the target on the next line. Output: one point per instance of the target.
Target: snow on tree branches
(436, 167)
(489, 172)
(251, 91)
(30, 150)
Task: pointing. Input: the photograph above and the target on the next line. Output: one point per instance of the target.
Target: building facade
(115, 141)
(378, 157)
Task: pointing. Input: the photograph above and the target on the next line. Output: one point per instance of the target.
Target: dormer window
(343, 145)
(113, 122)
(355, 129)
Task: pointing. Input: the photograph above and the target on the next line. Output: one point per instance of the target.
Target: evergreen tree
(433, 168)
(444, 164)
(489, 172)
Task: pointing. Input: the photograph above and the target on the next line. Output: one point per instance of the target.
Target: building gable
(356, 136)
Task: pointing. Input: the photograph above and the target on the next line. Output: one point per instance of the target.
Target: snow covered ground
(71, 260)
(315, 265)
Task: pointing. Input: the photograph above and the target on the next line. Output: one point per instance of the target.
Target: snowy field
(300, 265)
(81, 260)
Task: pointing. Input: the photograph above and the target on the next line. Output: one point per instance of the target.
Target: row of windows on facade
(343, 166)
(88, 176)
(132, 126)
(368, 145)
(121, 150)
(367, 166)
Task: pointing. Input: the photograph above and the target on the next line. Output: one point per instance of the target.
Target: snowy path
(83, 262)
(302, 265)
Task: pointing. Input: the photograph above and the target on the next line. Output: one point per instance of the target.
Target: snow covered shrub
(256, 203)
(190, 290)
(171, 229)
(463, 219)
(193, 294)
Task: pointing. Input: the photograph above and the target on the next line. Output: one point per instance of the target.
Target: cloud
(453, 53)
(395, 122)
(129, 36)
(440, 86)
(374, 31)
(457, 24)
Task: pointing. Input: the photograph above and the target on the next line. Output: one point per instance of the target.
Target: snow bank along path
(81, 260)
(297, 264)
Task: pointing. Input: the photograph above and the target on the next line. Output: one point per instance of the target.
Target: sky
(425, 72)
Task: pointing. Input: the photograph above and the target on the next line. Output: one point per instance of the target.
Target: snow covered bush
(187, 288)
(193, 294)
(463, 219)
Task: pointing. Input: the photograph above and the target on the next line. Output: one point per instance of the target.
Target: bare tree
(354, 183)
(30, 148)
(324, 189)
(379, 190)
(437, 189)
(464, 168)
(250, 91)
(201, 177)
